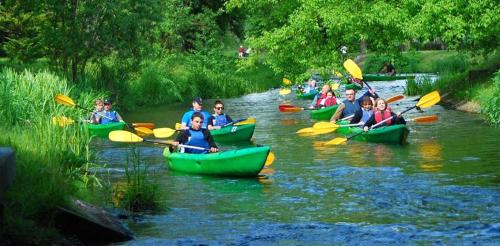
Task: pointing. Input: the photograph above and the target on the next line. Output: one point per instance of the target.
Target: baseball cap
(198, 100)
(107, 101)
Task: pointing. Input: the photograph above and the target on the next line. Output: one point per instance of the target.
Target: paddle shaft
(169, 143)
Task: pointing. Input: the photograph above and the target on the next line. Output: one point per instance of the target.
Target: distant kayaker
(329, 100)
(95, 116)
(310, 87)
(219, 118)
(381, 113)
(320, 96)
(197, 107)
(351, 106)
(195, 135)
(110, 115)
(388, 69)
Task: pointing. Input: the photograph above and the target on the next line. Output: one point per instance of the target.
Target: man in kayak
(197, 107)
(95, 116)
(382, 113)
(219, 118)
(351, 106)
(110, 116)
(195, 135)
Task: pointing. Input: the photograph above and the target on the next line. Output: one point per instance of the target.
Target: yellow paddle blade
(394, 98)
(124, 137)
(353, 69)
(163, 132)
(426, 119)
(429, 99)
(65, 100)
(62, 121)
(285, 91)
(336, 141)
(270, 159)
(246, 122)
(324, 131)
(178, 126)
(335, 86)
(287, 81)
(307, 130)
(143, 124)
(143, 131)
(325, 125)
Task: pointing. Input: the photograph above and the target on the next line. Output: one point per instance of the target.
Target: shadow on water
(439, 188)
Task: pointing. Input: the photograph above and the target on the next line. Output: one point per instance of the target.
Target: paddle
(62, 121)
(288, 108)
(426, 101)
(321, 126)
(425, 119)
(394, 98)
(355, 71)
(67, 101)
(285, 91)
(128, 137)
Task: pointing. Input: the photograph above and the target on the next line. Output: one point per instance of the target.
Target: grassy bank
(50, 160)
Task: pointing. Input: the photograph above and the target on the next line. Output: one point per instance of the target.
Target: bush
(490, 106)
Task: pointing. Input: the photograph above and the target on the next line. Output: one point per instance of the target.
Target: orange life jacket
(380, 117)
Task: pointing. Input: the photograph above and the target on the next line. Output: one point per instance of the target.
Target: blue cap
(198, 100)
(108, 101)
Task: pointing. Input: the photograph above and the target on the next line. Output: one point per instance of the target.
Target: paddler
(382, 112)
(197, 107)
(195, 135)
(219, 118)
(351, 106)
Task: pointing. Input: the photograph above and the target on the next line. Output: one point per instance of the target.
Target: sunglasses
(349, 94)
(198, 121)
(219, 108)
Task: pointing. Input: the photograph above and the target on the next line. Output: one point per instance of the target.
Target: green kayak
(233, 133)
(102, 130)
(393, 134)
(324, 113)
(309, 95)
(245, 162)
(376, 77)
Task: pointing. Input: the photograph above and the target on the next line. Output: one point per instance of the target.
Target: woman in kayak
(382, 113)
(195, 135)
(219, 118)
(320, 96)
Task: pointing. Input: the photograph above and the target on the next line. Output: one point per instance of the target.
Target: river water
(442, 187)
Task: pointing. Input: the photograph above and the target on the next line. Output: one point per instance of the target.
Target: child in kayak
(320, 96)
(195, 135)
(95, 116)
(219, 118)
(366, 111)
(329, 100)
(382, 113)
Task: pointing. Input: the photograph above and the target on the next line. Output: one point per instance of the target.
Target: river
(442, 187)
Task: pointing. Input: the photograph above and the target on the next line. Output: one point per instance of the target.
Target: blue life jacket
(109, 117)
(197, 138)
(220, 120)
(366, 116)
(350, 108)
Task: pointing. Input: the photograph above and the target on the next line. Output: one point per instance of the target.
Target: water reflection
(431, 157)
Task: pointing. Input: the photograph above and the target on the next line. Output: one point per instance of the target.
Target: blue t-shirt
(186, 118)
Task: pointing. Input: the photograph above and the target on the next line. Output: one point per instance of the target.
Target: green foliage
(419, 86)
(51, 161)
(450, 65)
(141, 193)
(490, 103)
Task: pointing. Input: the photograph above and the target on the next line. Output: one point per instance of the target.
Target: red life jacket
(320, 98)
(329, 102)
(380, 117)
